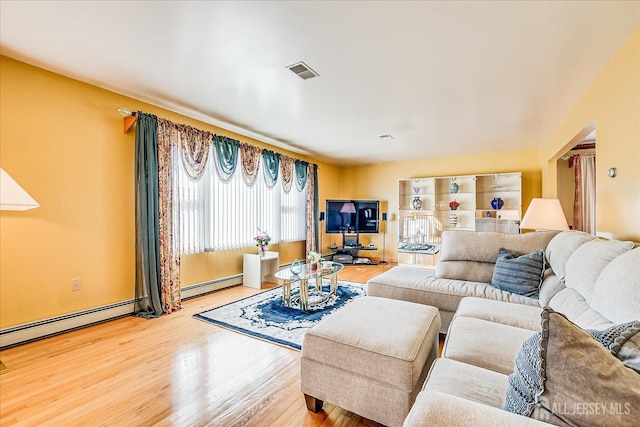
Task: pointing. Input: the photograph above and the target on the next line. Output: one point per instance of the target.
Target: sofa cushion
(466, 381)
(484, 344)
(573, 305)
(577, 381)
(420, 285)
(616, 294)
(518, 315)
(587, 262)
(473, 271)
(433, 409)
(481, 248)
(550, 286)
(521, 274)
(562, 246)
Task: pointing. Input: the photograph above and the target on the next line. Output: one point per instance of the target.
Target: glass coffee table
(306, 296)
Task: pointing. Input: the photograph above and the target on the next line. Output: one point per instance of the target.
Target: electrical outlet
(75, 284)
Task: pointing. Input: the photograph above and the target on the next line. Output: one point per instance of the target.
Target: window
(217, 215)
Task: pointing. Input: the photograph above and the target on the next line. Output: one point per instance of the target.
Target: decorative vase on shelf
(453, 219)
(454, 205)
(416, 203)
(454, 187)
(416, 190)
(497, 203)
(296, 267)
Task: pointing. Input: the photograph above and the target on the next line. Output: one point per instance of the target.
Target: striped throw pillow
(520, 274)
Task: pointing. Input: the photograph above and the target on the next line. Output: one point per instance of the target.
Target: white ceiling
(444, 78)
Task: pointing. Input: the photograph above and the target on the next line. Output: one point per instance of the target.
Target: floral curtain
(312, 209)
(250, 158)
(195, 146)
(271, 163)
(286, 172)
(226, 156)
(169, 137)
(147, 285)
(584, 201)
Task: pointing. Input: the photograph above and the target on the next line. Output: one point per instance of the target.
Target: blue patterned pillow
(520, 274)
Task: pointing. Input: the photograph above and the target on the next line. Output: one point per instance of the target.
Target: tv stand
(350, 254)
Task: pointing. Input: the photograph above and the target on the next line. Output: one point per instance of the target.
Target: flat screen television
(352, 216)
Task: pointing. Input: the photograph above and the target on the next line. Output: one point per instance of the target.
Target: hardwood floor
(171, 371)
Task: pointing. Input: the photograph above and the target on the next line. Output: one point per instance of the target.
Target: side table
(257, 268)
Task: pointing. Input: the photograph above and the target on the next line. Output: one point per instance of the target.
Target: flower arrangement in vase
(262, 242)
(454, 205)
(313, 258)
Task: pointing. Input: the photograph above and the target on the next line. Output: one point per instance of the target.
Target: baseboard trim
(32, 331)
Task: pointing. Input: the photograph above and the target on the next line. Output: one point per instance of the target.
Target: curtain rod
(130, 118)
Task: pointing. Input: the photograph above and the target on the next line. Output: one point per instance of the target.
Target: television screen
(352, 216)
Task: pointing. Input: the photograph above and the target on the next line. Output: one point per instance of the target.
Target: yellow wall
(613, 103)
(381, 182)
(62, 141)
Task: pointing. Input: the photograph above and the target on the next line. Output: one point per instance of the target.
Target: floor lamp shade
(544, 214)
(12, 196)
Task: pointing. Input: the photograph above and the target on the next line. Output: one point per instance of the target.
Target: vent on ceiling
(303, 70)
(386, 137)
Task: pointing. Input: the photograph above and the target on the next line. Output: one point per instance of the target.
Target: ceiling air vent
(303, 70)
(385, 137)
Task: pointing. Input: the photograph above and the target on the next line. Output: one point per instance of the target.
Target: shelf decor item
(454, 205)
(296, 267)
(497, 203)
(262, 240)
(416, 203)
(454, 186)
(416, 189)
(453, 219)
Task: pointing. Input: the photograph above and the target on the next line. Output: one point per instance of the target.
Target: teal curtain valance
(301, 174)
(226, 156)
(271, 163)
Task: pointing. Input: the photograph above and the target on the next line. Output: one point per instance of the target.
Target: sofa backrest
(599, 280)
(471, 255)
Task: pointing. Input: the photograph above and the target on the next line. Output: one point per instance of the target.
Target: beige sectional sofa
(593, 282)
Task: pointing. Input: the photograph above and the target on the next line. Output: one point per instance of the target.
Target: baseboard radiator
(27, 332)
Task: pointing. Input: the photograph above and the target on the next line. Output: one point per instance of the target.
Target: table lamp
(544, 214)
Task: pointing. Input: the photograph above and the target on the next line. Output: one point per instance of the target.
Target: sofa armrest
(435, 409)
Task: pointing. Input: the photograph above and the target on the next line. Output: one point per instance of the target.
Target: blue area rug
(264, 316)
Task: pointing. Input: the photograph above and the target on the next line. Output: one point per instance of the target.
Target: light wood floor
(171, 371)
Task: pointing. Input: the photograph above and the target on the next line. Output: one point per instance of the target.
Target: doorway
(577, 183)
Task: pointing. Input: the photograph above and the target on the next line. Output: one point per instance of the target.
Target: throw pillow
(623, 341)
(577, 380)
(520, 274)
(525, 383)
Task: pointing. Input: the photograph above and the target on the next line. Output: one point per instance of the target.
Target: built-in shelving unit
(431, 205)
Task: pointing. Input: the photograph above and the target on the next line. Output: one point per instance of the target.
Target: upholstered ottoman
(370, 358)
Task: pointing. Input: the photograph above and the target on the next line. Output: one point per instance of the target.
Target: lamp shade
(544, 214)
(348, 207)
(12, 196)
